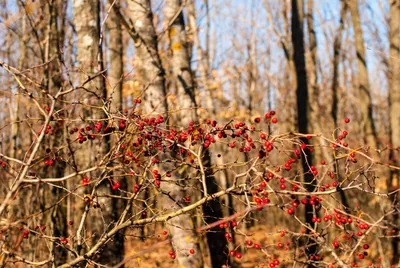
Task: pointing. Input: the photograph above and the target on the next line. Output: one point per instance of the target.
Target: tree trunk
(203, 67)
(114, 94)
(181, 69)
(394, 108)
(336, 59)
(365, 101)
(116, 61)
(54, 78)
(302, 106)
(151, 75)
(212, 210)
(335, 86)
(90, 59)
(315, 109)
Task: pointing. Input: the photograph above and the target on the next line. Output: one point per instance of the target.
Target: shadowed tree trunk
(302, 106)
(394, 112)
(335, 84)
(58, 218)
(212, 210)
(151, 75)
(365, 103)
(114, 94)
(337, 46)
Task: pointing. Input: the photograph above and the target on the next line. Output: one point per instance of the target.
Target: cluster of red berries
(47, 131)
(172, 254)
(49, 162)
(116, 186)
(136, 188)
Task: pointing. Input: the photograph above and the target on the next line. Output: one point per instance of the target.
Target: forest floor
(154, 252)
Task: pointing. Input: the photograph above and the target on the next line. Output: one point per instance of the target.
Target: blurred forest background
(313, 62)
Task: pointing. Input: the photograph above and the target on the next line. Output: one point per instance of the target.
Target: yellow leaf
(172, 31)
(176, 46)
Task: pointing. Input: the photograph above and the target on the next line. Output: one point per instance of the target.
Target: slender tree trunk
(365, 103)
(335, 85)
(152, 77)
(336, 59)
(394, 108)
(315, 112)
(315, 109)
(212, 210)
(116, 61)
(114, 93)
(58, 216)
(302, 105)
(203, 67)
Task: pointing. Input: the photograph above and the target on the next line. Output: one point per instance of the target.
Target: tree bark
(302, 106)
(315, 109)
(365, 102)
(115, 73)
(90, 59)
(151, 75)
(212, 210)
(114, 94)
(181, 68)
(394, 108)
(336, 59)
(55, 82)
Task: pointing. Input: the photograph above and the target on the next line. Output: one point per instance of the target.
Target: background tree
(199, 133)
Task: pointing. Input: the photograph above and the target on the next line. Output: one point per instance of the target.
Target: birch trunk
(90, 59)
(151, 75)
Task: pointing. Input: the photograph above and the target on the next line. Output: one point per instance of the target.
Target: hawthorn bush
(146, 153)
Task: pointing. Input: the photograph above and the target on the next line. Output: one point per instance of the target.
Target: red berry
(335, 244)
(274, 120)
(116, 186)
(238, 255)
(346, 120)
(191, 251)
